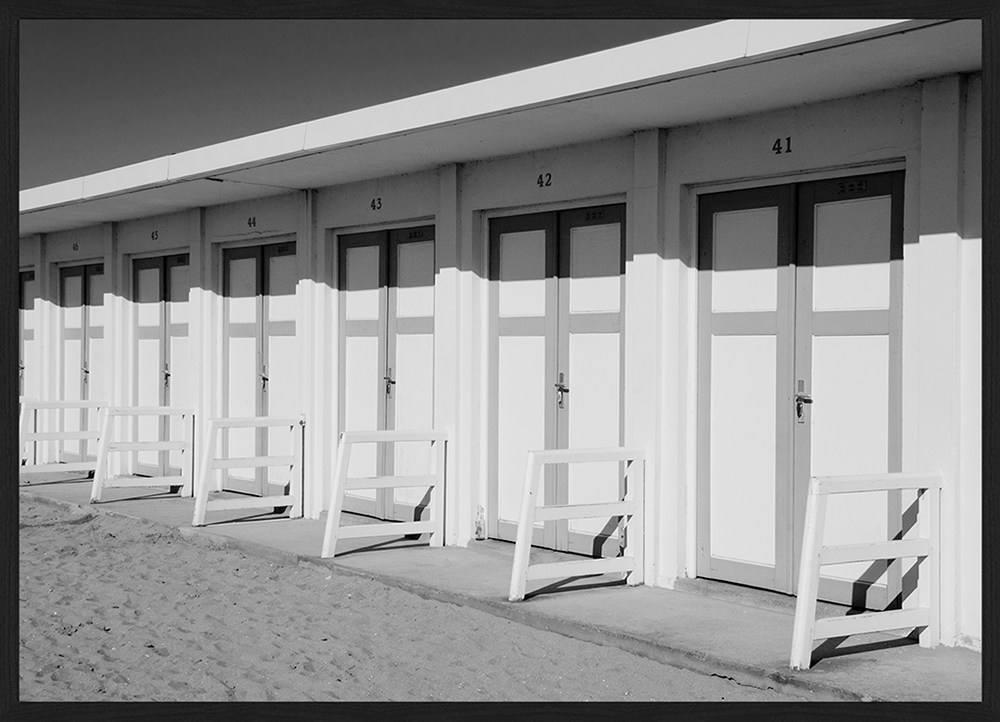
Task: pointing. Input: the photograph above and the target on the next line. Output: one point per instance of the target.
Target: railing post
(522, 547)
(336, 498)
(101, 471)
(204, 476)
(812, 549)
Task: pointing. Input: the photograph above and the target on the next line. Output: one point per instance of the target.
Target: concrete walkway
(708, 627)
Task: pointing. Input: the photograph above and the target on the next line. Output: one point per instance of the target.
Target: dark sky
(98, 94)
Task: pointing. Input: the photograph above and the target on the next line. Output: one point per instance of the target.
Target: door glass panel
(180, 291)
(282, 279)
(242, 293)
(594, 420)
(362, 283)
(742, 447)
(415, 279)
(282, 399)
(148, 296)
(851, 254)
(850, 435)
(522, 273)
(72, 302)
(595, 268)
(361, 400)
(521, 416)
(745, 259)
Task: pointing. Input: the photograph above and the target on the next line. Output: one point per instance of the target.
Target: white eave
(726, 69)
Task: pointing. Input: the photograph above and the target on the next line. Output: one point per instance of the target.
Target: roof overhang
(726, 69)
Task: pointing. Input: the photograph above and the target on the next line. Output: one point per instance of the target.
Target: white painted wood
(851, 254)
(742, 442)
(584, 567)
(415, 279)
(249, 502)
(359, 437)
(137, 481)
(362, 531)
(256, 422)
(877, 621)
(54, 435)
(595, 275)
(870, 552)
(745, 254)
(583, 511)
(803, 627)
(594, 413)
(413, 395)
(389, 482)
(361, 400)
(631, 506)
(247, 462)
(522, 273)
(209, 463)
(806, 627)
(864, 482)
(362, 283)
(850, 386)
(341, 483)
(108, 444)
(147, 445)
(57, 411)
(521, 415)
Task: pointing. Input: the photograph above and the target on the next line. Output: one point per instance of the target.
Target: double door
(81, 300)
(800, 317)
(386, 282)
(260, 359)
(28, 362)
(556, 358)
(161, 287)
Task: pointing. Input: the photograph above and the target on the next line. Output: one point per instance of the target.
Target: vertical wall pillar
(311, 392)
(201, 331)
(938, 382)
(647, 374)
(449, 355)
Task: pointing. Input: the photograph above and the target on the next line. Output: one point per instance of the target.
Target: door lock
(800, 401)
(561, 391)
(389, 382)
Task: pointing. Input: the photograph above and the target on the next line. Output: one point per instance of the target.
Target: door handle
(561, 390)
(166, 377)
(800, 401)
(389, 382)
(263, 379)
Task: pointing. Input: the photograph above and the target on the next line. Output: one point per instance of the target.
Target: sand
(115, 608)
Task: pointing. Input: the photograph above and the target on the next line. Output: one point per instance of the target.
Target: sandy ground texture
(114, 608)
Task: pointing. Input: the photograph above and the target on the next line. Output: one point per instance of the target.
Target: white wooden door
(82, 290)
(386, 282)
(260, 358)
(798, 375)
(556, 351)
(161, 287)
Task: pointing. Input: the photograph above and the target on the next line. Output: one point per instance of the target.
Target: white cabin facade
(752, 249)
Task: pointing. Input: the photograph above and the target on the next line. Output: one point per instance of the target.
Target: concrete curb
(692, 660)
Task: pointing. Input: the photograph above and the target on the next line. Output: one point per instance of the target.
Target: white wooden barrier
(209, 463)
(106, 445)
(631, 508)
(342, 484)
(28, 435)
(807, 628)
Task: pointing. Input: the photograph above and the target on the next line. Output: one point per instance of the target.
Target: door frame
(261, 249)
(387, 239)
(555, 480)
(892, 174)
